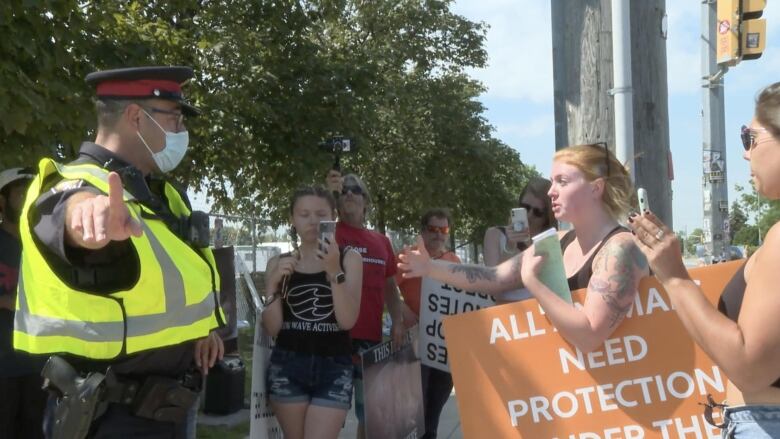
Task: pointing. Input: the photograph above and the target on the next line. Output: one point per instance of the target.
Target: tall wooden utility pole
(583, 81)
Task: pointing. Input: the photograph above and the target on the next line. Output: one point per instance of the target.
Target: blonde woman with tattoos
(591, 190)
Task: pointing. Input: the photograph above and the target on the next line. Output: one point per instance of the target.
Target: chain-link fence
(253, 246)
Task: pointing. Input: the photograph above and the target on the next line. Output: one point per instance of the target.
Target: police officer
(116, 275)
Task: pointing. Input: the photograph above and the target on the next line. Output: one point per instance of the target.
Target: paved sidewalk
(449, 423)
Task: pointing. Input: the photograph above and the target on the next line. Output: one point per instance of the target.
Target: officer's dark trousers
(437, 386)
(22, 402)
(118, 422)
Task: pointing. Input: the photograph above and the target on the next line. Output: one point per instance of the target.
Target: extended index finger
(116, 193)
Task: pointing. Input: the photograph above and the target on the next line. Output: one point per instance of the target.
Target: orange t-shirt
(410, 288)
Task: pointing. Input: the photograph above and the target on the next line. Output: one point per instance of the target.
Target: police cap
(144, 83)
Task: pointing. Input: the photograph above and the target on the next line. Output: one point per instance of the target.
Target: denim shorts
(316, 379)
(752, 422)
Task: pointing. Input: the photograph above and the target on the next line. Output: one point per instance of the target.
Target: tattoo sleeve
(475, 273)
(618, 288)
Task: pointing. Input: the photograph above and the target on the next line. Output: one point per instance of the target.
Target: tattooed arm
(617, 269)
(490, 280)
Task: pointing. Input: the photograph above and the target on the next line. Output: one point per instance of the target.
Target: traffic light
(741, 33)
(753, 29)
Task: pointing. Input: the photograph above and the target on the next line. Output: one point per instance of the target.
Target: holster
(78, 398)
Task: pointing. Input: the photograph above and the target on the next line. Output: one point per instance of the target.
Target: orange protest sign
(516, 377)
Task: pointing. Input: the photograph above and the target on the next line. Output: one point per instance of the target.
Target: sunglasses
(355, 189)
(711, 406)
(748, 136)
(537, 212)
(435, 229)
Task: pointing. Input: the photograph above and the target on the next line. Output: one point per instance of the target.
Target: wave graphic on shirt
(310, 302)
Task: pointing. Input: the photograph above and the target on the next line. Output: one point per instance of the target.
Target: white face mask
(175, 147)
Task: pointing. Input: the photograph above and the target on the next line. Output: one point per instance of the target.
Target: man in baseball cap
(23, 400)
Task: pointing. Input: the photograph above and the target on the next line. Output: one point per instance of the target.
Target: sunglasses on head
(748, 136)
(436, 229)
(606, 155)
(355, 189)
(535, 211)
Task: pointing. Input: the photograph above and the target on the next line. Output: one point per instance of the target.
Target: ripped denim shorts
(319, 380)
(752, 422)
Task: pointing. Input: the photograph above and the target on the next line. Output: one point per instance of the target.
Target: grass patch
(221, 432)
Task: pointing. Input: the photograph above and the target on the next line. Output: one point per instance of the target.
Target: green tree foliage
(692, 240)
(765, 213)
(274, 80)
(747, 236)
(737, 220)
(43, 99)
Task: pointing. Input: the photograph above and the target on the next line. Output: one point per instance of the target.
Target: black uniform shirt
(48, 219)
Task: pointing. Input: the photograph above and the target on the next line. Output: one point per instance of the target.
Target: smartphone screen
(327, 230)
(641, 194)
(519, 219)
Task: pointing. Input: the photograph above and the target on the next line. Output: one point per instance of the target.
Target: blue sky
(519, 98)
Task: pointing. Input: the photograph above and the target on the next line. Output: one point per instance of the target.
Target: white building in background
(263, 252)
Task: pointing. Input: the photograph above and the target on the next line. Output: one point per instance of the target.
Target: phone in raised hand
(519, 219)
(327, 230)
(644, 204)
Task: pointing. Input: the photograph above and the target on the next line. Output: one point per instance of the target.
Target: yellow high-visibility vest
(174, 299)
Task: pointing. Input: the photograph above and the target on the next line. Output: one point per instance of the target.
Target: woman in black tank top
(742, 335)
(312, 299)
(591, 190)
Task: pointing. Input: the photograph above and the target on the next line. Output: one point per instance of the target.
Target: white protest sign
(436, 301)
(263, 423)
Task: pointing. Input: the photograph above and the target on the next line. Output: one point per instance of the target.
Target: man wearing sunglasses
(436, 384)
(379, 269)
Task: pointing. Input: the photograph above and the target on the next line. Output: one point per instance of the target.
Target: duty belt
(82, 399)
(155, 397)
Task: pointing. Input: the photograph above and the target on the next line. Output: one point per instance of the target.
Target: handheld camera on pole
(337, 145)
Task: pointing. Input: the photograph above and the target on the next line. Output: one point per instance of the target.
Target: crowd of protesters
(103, 235)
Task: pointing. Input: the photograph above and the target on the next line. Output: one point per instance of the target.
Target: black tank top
(310, 324)
(581, 278)
(730, 301)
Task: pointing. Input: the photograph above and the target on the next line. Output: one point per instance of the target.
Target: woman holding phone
(312, 300)
(741, 334)
(591, 190)
(503, 242)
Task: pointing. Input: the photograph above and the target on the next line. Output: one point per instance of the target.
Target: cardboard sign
(392, 390)
(262, 422)
(438, 300)
(521, 379)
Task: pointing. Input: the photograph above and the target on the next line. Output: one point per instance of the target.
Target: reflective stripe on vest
(53, 317)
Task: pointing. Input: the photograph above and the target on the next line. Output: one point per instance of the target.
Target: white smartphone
(519, 219)
(644, 205)
(327, 230)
